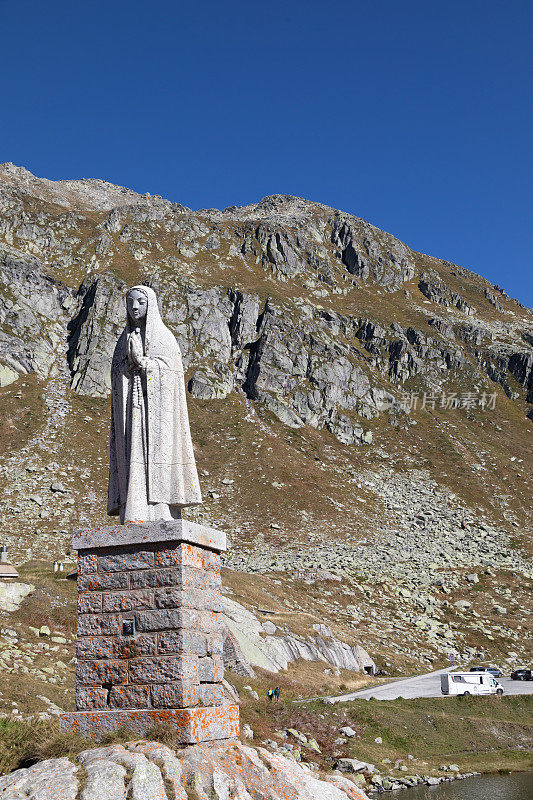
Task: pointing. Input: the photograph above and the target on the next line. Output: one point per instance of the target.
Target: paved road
(423, 686)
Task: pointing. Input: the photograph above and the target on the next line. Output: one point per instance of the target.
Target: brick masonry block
(211, 622)
(188, 598)
(178, 576)
(92, 648)
(160, 620)
(215, 722)
(91, 698)
(201, 559)
(183, 641)
(183, 579)
(211, 561)
(187, 555)
(192, 578)
(145, 579)
(87, 563)
(134, 647)
(211, 669)
(164, 669)
(89, 603)
(175, 695)
(102, 581)
(127, 601)
(177, 556)
(203, 621)
(92, 625)
(129, 697)
(207, 600)
(215, 644)
(214, 580)
(168, 598)
(172, 576)
(91, 673)
(124, 562)
(186, 577)
(211, 694)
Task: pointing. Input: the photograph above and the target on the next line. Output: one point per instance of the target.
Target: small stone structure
(149, 638)
(7, 570)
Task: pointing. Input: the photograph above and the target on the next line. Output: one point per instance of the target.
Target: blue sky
(416, 115)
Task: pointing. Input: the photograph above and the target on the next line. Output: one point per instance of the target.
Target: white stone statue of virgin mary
(152, 471)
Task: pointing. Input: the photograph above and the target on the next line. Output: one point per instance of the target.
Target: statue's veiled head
(137, 306)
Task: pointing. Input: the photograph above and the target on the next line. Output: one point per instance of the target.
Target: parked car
(494, 671)
(522, 675)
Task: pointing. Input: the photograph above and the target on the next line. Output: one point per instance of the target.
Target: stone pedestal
(149, 638)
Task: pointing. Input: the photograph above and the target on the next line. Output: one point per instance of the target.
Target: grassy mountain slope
(309, 337)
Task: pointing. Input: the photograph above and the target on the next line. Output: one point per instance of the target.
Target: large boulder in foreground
(142, 770)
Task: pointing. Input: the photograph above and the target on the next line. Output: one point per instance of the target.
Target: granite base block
(191, 725)
(177, 530)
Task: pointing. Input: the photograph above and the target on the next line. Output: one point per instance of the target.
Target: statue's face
(137, 305)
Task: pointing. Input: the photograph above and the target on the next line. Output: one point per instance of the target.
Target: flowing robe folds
(152, 471)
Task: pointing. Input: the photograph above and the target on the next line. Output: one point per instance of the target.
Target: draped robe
(152, 471)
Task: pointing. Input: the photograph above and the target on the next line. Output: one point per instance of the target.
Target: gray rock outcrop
(249, 645)
(303, 353)
(34, 311)
(143, 770)
(46, 780)
(12, 594)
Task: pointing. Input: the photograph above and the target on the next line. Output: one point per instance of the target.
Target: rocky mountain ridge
(342, 388)
(287, 238)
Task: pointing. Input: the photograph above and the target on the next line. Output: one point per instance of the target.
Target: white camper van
(469, 683)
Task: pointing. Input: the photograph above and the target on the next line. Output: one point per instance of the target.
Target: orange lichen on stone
(191, 725)
(149, 636)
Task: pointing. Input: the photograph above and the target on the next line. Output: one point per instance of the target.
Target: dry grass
(476, 733)
(53, 603)
(20, 416)
(435, 729)
(23, 744)
(302, 679)
(483, 734)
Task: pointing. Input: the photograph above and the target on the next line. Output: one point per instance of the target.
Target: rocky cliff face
(280, 300)
(313, 314)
